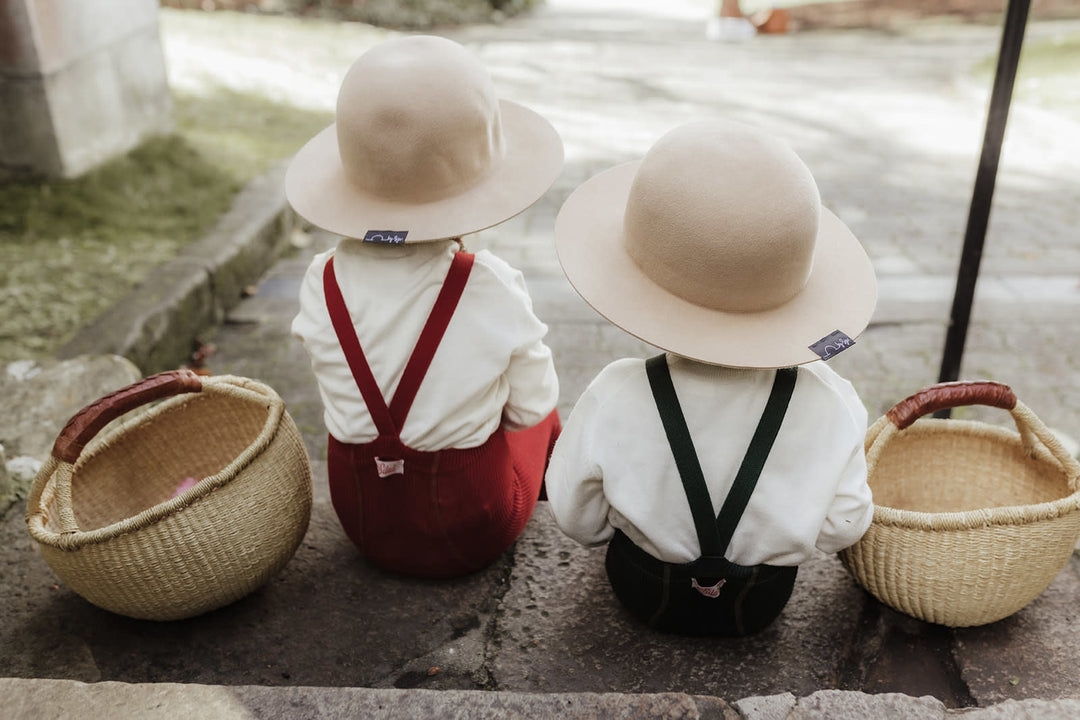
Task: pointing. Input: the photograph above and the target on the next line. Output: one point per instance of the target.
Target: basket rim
(1004, 515)
(238, 388)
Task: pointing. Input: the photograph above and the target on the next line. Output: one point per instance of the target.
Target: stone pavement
(891, 129)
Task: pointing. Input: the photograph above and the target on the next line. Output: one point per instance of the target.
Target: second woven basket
(971, 521)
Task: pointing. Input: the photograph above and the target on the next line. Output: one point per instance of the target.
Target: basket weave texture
(109, 526)
(971, 521)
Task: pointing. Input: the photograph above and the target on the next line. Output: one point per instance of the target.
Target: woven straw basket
(971, 521)
(109, 526)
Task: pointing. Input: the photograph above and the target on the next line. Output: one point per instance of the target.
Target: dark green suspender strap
(714, 534)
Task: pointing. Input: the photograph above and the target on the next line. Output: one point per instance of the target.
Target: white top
(492, 364)
(612, 466)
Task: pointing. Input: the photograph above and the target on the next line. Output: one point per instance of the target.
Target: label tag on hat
(832, 344)
(386, 237)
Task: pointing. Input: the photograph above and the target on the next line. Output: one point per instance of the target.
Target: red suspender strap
(361, 371)
(431, 336)
(390, 420)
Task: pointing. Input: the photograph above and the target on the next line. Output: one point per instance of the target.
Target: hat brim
(840, 293)
(316, 186)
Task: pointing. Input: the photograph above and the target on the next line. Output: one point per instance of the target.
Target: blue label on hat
(386, 237)
(832, 344)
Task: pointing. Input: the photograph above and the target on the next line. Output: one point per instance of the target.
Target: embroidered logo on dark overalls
(712, 591)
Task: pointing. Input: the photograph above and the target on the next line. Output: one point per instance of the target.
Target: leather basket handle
(86, 423)
(1033, 432)
(951, 395)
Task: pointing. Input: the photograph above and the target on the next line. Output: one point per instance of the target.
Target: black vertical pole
(1012, 39)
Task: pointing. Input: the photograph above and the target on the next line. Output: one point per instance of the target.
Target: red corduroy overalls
(432, 514)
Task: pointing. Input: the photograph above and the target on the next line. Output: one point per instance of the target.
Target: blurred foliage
(403, 14)
(1047, 74)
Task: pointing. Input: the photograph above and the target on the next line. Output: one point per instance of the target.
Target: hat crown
(723, 216)
(417, 120)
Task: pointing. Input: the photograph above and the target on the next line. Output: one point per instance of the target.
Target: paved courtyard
(891, 126)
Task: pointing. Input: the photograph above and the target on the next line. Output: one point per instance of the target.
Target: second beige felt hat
(422, 149)
(715, 247)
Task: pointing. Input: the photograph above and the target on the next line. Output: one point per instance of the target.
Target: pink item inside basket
(185, 484)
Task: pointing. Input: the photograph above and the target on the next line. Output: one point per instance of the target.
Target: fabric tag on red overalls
(386, 468)
(386, 237)
(832, 344)
(712, 591)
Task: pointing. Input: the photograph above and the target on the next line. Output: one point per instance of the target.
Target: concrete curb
(26, 699)
(156, 324)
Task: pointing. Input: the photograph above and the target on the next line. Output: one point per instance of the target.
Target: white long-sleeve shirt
(491, 366)
(612, 466)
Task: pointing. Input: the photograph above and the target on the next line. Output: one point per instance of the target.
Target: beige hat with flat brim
(715, 247)
(422, 149)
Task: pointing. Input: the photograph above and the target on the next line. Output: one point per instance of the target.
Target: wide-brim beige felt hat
(715, 246)
(422, 149)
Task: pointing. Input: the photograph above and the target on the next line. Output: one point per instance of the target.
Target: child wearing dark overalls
(438, 389)
(713, 470)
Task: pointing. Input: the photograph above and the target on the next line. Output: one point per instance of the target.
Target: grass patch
(244, 133)
(74, 248)
(1056, 56)
(1048, 74)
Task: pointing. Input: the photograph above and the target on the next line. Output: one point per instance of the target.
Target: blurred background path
(889, 123)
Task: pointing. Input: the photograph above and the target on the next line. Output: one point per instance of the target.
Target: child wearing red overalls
(439, 391)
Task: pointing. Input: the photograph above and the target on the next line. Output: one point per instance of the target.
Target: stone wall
(80, 82)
